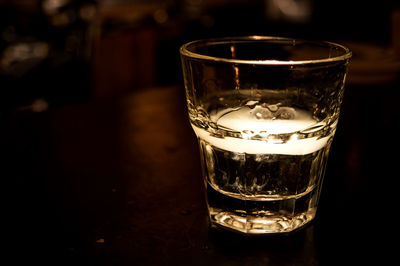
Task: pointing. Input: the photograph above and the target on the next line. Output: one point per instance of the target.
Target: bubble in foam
(260, 112)
(286, 113)
(270, 111)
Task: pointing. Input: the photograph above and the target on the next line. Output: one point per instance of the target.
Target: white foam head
(246, 121)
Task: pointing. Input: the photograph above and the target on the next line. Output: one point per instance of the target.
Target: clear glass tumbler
(265, 111)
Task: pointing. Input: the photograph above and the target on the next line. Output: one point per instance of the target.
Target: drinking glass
(264, 110)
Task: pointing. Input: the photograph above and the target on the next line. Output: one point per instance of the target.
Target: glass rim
(184, 50)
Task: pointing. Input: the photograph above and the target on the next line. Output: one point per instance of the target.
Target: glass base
(261, 223)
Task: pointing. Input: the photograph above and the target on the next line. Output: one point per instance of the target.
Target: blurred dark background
(55, 52)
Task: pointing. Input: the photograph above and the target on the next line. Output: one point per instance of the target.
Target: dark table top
(118, 182)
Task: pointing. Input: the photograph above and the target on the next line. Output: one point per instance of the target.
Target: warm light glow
(259, 136)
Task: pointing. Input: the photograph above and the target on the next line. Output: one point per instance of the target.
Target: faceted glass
(264, 110)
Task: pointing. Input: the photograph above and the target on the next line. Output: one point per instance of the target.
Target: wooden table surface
(118, 182)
